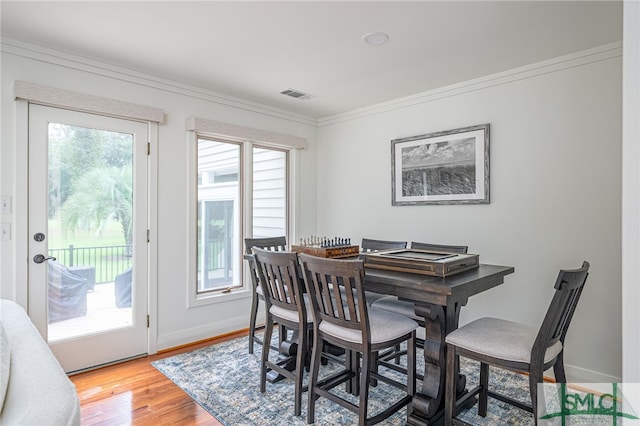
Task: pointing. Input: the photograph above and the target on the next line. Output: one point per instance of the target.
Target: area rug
(224, 380)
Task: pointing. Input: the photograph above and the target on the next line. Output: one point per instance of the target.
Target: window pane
(218, 215)
(90, 230)
(269, 192)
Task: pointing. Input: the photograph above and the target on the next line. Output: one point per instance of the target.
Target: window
(269, 192)
(222, 209)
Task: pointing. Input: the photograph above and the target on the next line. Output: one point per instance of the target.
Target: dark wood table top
(429, 289)
(435, 290)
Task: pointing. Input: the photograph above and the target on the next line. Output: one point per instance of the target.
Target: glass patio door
(87, 235)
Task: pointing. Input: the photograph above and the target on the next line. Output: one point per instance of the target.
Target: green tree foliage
(90, 177)
(98, 196)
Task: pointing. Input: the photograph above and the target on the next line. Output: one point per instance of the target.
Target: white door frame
(20, 204)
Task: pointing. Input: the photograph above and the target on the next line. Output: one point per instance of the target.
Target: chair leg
(558, 369)
(535, 377)
(268, 329)
(411, 365)
(351, 363)
(483, 397)
(300, 361)
(282, 334)
(375, 365)
(365, 375)
(313, 379)
(252, 321)
(450, 386)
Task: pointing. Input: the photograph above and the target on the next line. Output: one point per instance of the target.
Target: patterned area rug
(224, 380)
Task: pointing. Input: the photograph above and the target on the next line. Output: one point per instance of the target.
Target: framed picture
(450, 167)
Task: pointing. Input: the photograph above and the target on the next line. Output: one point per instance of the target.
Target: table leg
(288, 350)
(428, 403)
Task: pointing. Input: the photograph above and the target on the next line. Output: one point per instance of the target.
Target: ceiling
(255, 50)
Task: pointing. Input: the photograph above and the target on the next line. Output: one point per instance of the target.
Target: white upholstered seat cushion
(292, 315)
(393, 304)
(500, 339)
(372, 297)
(384, 326)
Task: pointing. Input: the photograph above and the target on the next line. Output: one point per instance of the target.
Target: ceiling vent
(296, 94)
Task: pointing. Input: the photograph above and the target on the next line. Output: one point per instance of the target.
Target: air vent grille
(297, 94)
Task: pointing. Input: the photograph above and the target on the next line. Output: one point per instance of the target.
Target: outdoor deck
(102, 315)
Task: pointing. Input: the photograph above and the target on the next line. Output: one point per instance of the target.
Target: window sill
(219, 297)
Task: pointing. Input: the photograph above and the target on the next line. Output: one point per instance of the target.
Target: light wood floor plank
(135, 393)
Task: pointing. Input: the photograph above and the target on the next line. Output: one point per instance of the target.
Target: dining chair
(270, 243)
(393, 304)
(284, 296)
(335, 287)
(516, 347)
(439, 247)
(368, 245)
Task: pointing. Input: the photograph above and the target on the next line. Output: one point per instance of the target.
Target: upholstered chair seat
(384, 325)
(509, 340)
(392, 304)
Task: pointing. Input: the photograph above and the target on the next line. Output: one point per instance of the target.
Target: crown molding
(560, 63)
(55, 57)
(581, 58)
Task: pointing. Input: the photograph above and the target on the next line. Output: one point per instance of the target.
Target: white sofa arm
(39, 392)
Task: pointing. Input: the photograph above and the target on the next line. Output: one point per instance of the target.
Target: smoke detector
(375, 39)
(296, 94)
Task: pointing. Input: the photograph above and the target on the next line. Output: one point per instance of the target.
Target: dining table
(438, 301)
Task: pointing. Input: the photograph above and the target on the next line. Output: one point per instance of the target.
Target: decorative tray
(425, 262)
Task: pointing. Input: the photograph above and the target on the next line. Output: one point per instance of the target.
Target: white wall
(631, 195)
(175, 323)
(555, 190)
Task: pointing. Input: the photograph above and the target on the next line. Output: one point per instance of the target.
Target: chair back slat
(336, 286)
(439, 247)
(369, 244)
(268, 243)
(279, 276)
(568, 289)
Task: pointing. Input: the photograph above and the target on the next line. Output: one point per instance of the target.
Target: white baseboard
(202, 332)
(582, 375)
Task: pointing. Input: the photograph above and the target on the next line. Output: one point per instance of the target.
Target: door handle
(39, 258)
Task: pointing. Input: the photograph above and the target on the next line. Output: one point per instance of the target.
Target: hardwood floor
(135, 393)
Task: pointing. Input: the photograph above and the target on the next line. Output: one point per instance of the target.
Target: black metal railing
(109, 261)
(217, 270)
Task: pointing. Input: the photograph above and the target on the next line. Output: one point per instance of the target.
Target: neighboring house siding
(269, 193)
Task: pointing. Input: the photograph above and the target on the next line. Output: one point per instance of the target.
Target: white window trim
(262, 137)
(51, 96)
(198, 127)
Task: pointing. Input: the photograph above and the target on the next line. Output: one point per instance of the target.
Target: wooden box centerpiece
(424, 262)
(328, 252)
